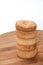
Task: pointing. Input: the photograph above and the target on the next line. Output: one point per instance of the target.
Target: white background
(13, 10)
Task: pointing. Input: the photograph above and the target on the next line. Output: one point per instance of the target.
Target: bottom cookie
(26, 55)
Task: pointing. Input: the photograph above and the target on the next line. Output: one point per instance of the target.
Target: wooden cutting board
(8, 50)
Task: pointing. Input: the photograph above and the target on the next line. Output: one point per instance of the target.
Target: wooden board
(8, 50)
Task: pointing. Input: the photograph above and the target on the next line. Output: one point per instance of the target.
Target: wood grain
(8, 50)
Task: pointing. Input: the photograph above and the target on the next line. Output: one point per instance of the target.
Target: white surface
(13, 10)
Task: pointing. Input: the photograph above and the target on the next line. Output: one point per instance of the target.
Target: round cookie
(26, 41)
(25, 25)
(26, 54)
(26, 35)
(26, 47)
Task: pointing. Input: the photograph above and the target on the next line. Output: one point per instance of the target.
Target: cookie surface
(25, 25)
(24, 54)
(26, 41)
(26, 47)
(26, 35)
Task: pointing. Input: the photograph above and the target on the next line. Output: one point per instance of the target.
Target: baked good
(25, 25)
(26, 35)
(26, 54)
(25, 41)
(26, 47)
(26, 38)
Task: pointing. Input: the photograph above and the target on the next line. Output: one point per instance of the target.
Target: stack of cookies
(26, 39)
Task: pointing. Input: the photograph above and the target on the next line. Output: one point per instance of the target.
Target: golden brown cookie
(26, 54)
(26, 47)
(25, 25)
(26, 41)
(26, 35)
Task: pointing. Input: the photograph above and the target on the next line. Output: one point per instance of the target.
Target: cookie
(26, 35)
(25, 25)
(26, 54)
(26, 47)
(25, 41)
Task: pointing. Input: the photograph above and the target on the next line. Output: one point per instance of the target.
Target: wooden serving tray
(8, 51)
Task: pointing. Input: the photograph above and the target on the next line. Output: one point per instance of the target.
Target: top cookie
(25, 25)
